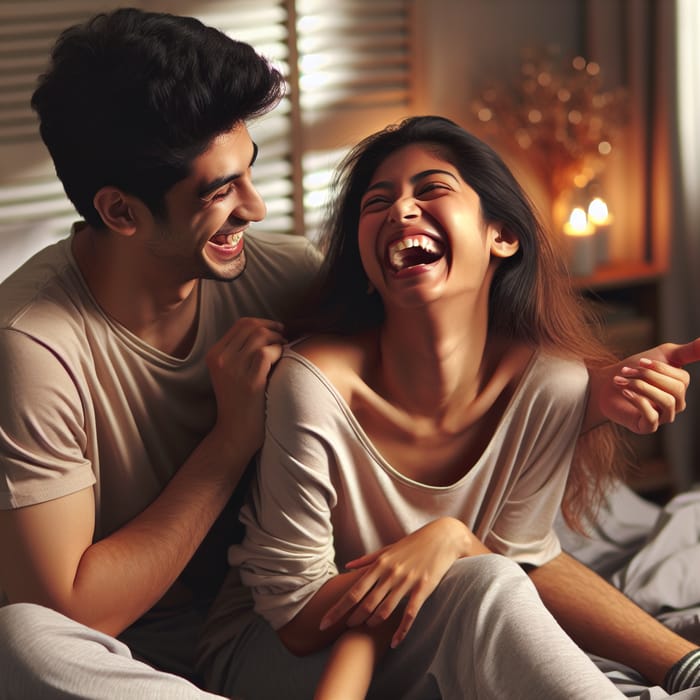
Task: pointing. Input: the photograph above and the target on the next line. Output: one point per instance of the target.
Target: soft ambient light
(580, 243)
(598, 212)
(578, 224)
(601, 218)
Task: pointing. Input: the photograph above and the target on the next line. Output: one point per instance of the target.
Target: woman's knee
(489, 577)
(485, 570)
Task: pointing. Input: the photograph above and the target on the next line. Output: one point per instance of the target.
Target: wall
(460, 43)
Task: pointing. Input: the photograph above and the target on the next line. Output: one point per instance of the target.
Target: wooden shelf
(620, 275)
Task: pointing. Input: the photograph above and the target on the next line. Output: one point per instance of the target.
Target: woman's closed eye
(377, 202)
(432, 188)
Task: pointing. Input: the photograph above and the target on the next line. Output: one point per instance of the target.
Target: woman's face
(421, 233)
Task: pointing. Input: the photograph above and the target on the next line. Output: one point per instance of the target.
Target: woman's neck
(433, 365)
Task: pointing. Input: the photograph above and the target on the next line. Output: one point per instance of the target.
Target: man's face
(207, 213)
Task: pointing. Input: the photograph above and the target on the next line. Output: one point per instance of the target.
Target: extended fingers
(348, 601)
(646, 417)
(661, 383)
(413, 606)
(378, 605)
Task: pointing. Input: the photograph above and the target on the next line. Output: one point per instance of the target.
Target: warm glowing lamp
(580, 243)
(601, 218)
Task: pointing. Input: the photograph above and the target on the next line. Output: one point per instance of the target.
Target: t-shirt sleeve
(287, 553)
(42, 435)
(547, 429)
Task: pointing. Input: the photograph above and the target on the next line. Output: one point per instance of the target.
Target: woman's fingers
(657, 391)
(413, 606)
(349, 600)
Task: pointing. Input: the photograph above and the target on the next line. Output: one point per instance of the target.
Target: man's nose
(251, 206)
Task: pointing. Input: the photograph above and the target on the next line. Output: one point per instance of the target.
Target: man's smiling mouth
(227, 239)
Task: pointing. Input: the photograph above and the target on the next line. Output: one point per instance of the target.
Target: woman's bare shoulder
(341, 358)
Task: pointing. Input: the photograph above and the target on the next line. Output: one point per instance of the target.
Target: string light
(557, 114)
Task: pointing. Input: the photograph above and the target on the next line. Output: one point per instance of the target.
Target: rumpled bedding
(652, 554)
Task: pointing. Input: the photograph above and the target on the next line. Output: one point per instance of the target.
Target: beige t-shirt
(87, 403)
(323, 494)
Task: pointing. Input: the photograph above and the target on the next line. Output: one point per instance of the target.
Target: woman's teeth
(413, 250)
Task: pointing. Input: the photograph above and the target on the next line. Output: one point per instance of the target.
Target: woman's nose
(403, 208)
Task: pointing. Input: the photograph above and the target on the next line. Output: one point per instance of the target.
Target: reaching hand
(410, 568)
(239, 365)
(646, 390)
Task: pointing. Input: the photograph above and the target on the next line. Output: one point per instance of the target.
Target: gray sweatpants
(482, 634)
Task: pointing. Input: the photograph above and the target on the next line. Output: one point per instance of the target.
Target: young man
(132, 402)
(135, 355)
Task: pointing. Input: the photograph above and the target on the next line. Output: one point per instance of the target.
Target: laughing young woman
(426, 446)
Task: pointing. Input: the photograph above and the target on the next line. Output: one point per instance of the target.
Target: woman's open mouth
(412, 251)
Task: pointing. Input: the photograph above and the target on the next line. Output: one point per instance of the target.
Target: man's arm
(46, 550)
(603, 621)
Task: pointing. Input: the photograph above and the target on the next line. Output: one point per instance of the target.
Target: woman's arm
(408, 570)
(348, 672)
(366, 605)
(288, 555)
(642, 391)
(373, 591)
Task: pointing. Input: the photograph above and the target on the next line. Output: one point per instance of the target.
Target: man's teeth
(414, 250)
(230, 239)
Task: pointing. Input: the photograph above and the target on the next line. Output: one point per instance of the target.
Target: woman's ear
(503, 243)
(118, 210)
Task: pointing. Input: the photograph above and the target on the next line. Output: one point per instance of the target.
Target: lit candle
(601, 218)
(580, 243)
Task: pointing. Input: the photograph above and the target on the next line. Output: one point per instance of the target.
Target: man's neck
(160, 311)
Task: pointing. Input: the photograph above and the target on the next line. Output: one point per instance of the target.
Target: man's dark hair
(130, 98)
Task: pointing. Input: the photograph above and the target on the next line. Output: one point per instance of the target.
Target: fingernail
(620, 381)
(646, 361)
(325, 624)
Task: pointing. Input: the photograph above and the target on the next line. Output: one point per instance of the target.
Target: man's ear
(118, 210)
(503, 243)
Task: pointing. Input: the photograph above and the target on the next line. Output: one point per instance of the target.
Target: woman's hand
(410, 568)
(643, 391)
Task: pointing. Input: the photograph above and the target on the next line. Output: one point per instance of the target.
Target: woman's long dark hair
(531, 297)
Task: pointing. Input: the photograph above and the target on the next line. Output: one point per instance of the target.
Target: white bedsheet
(652, 554)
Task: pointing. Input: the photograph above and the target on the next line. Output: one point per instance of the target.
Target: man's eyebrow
(385, 184)
(218, 182)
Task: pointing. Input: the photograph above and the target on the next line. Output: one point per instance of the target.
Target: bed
(652, 554)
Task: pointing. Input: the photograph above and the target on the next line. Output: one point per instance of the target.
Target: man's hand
(643, 391)
(239, 365)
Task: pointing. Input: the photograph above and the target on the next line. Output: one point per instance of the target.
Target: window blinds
(348, 69)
